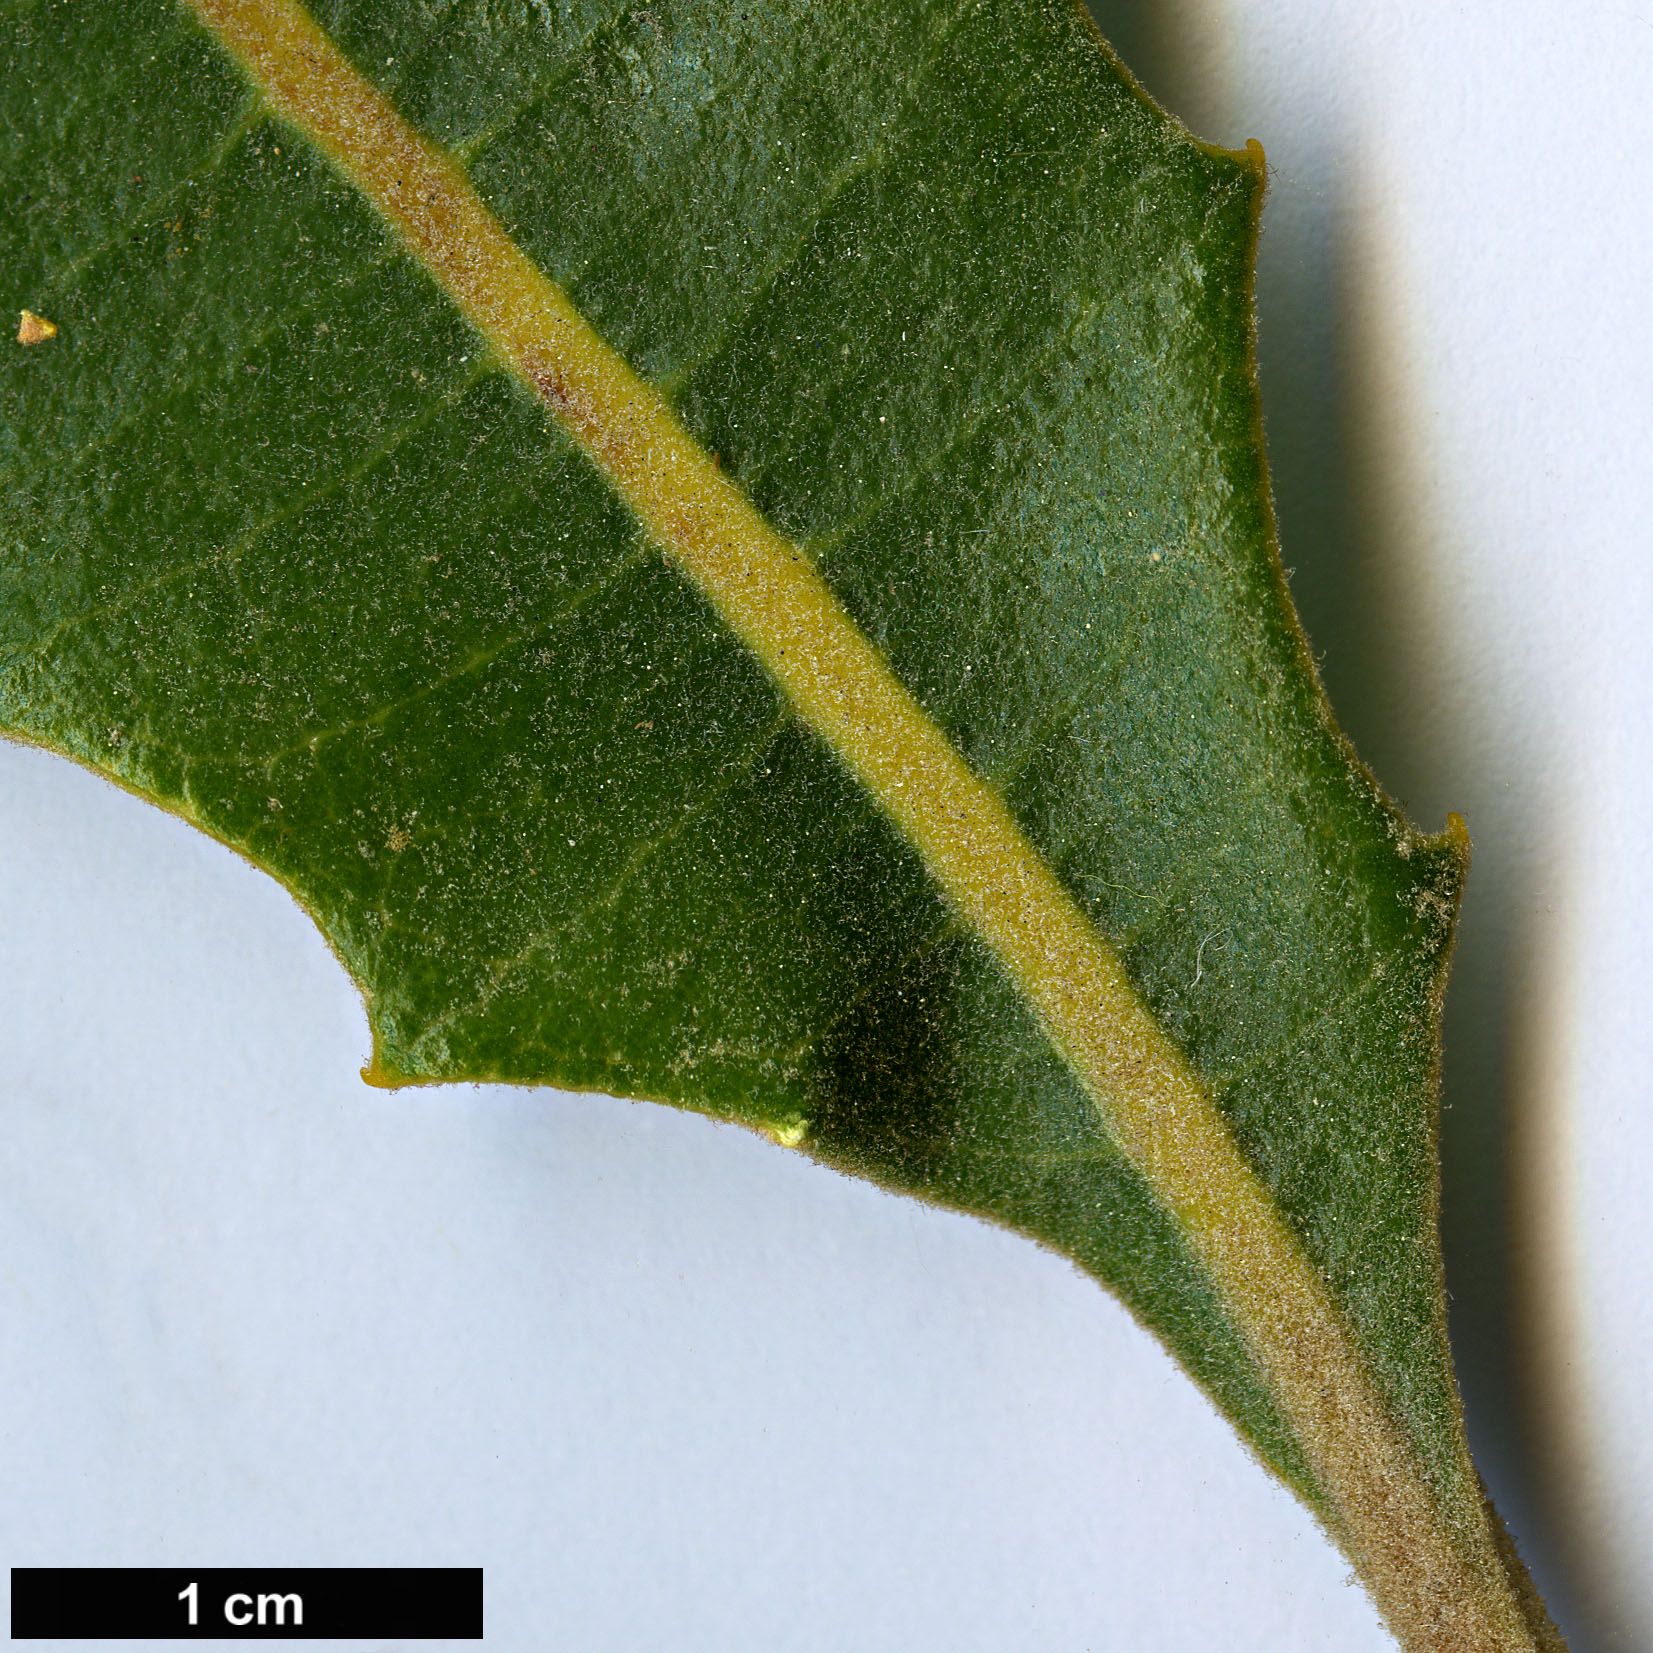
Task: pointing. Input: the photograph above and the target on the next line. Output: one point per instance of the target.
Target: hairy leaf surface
(295, 545)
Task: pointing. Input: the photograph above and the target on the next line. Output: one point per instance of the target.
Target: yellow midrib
(772, 597)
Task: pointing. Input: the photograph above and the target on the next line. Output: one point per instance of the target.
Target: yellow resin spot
(33, 329)
(787, 1133)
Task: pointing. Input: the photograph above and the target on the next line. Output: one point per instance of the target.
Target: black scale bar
(254, 1603)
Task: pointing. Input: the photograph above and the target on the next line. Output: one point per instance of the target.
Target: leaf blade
(1008, 891)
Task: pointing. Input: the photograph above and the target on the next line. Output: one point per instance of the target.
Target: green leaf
(724, 555)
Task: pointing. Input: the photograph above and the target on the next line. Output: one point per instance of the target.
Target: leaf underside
(285, 548)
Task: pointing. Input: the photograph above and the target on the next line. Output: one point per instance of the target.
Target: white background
(679, 1390)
